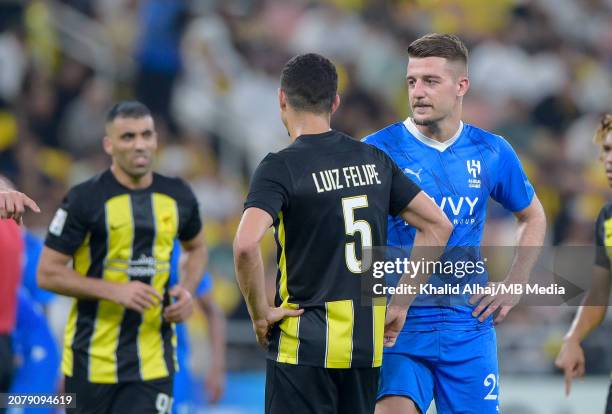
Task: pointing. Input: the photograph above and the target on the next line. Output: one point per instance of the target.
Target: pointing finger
(28, 202)
(568, 381)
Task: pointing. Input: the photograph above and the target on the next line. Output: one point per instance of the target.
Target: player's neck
(133, 183)
(307, 124)
(441, 131)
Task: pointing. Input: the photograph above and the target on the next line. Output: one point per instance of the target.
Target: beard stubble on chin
(431, 124)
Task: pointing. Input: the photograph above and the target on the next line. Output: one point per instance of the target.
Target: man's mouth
(140, 159)
(421, 108)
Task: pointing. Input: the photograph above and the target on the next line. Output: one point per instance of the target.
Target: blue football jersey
(34, 345)
(460, 175)
(33, 247)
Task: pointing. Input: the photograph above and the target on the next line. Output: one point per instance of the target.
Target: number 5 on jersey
(352, 226)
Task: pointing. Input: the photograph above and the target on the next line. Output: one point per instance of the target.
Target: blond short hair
(605, 127)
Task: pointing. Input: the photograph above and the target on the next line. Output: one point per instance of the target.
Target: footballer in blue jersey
(447, 350)
(37, 355)
(33, 246)
(184, 384)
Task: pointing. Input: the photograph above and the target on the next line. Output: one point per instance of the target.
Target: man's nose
(140, 142)
(418, 90)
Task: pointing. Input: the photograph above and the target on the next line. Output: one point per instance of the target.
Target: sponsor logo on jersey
(143, 267)
(462, 208)
(57, 224)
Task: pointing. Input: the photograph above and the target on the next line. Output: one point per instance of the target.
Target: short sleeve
(512, 188)
(601, 256)
(403, 189)
(270, 186)
(69, 225)
(190, 222)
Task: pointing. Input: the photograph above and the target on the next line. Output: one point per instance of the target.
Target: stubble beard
(433, 125)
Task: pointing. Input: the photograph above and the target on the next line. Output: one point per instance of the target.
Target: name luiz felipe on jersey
(346, 177)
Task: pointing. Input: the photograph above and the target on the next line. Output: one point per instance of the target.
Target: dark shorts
(297, 389)
(144, 397)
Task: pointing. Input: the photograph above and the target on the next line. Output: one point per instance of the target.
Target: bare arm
(194, 256)
(530, 233)
(590, 314)
(193, 260)
(55, 275)
(248, 260)
(594, 306)
(215, 379)
(433, 230)
(250, 273)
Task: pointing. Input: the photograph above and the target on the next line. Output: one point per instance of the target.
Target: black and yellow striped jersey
(329, 196)
(603, 237)
(603, 240)
(120, 235)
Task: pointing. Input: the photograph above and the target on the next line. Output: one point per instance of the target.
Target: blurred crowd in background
(541, 76)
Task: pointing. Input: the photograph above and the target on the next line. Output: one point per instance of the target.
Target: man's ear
(463, 85)
(107, 144)
(282, 99)
(335, 103)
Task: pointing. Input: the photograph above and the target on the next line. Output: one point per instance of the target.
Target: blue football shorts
(458, 369)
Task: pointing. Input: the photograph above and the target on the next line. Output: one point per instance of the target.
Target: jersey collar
(440, 146)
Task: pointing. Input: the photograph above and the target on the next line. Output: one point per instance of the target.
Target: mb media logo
(473, 167)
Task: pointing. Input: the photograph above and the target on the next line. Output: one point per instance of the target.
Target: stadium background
(541, 75)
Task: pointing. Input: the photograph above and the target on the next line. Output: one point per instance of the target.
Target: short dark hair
(310, 82)
(127, 109)
(446, 46)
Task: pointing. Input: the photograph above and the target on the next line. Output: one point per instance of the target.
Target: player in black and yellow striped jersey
(327, 196)
(118, 228)
(595, 304)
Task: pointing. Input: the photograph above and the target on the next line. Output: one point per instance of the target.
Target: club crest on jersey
(473, 168)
